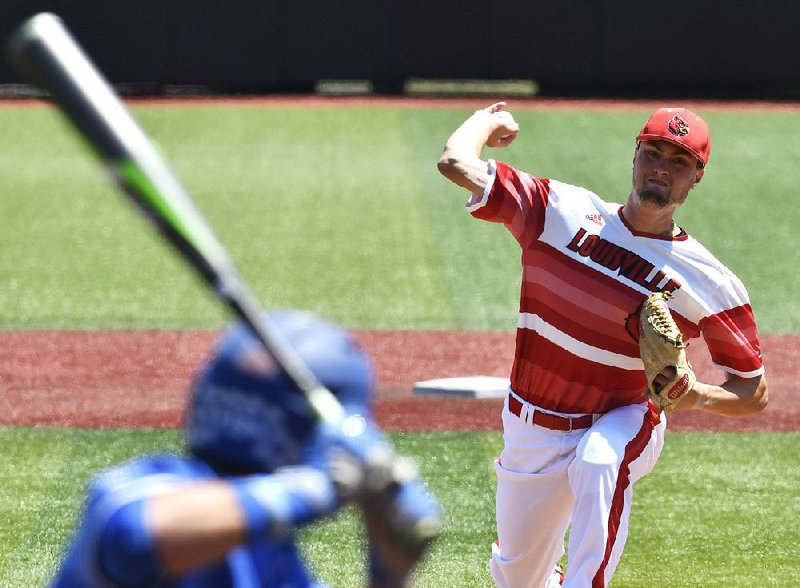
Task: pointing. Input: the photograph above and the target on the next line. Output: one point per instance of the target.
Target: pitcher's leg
(533, 502)
(532, 516)
(620, 448)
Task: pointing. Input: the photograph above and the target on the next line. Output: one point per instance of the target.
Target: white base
(465, 386)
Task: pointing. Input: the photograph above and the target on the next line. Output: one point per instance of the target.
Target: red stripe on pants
(632, 450)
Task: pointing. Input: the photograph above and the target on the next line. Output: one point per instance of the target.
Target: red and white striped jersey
(585, 270)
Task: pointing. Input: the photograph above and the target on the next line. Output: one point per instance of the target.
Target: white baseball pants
(548, 480)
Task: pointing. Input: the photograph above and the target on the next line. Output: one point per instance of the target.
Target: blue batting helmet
(246, 416)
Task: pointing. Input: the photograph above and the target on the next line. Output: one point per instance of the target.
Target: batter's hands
(355, 455)
(505, 128)
(400, 517)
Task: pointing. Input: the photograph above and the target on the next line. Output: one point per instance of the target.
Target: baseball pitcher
(610, 295)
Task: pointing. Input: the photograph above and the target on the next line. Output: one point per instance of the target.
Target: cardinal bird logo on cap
(678, 126)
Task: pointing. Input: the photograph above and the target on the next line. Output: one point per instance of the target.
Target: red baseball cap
(681, 127)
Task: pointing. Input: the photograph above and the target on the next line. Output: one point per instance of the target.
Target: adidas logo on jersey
(595, 218)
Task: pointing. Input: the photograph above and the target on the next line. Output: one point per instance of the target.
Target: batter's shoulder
(151, 471)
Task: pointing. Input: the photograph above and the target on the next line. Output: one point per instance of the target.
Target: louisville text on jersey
(624, 262)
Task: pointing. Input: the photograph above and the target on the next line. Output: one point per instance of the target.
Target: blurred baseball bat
(45, 53)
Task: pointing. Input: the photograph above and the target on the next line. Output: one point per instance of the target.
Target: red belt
(552, 421)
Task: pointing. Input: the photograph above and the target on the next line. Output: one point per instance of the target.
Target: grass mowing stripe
(719, 510)
(479, 262)
(319, 213)
(314, 216)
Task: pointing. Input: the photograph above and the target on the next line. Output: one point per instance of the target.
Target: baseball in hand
(506, 132)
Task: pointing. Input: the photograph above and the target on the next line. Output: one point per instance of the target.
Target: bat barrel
(44, 52)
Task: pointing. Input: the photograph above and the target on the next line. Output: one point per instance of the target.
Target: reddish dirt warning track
(140, 379)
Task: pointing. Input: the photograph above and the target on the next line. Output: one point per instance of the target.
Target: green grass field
(714, 512)
(342, 211)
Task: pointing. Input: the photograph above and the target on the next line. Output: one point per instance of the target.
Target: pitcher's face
(663, 174)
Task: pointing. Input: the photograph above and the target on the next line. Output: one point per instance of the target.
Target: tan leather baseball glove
(663, 351)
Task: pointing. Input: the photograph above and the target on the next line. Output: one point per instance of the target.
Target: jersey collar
(682, 236)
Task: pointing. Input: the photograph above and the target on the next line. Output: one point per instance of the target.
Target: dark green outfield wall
(714, 48)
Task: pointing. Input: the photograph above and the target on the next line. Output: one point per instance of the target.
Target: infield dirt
(140, 379)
